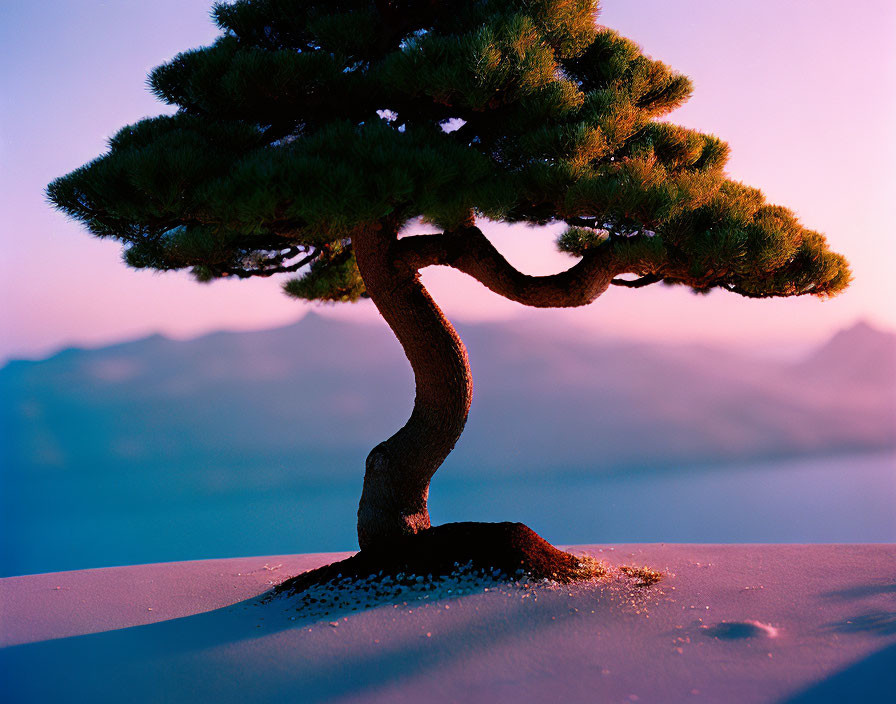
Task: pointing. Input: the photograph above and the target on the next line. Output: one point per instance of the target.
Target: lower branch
(469, 251)
(638, 283)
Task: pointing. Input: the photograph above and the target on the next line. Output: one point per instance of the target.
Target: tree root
(507, 549)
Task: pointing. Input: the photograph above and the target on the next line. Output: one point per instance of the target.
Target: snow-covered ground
(761, 623)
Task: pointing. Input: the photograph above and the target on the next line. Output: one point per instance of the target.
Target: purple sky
(804, 92)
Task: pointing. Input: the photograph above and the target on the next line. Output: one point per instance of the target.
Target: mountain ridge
(232, 441)
(518, 322)
(349, 385)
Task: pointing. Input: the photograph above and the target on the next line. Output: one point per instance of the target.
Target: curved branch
(469, 251)
(638, 283)
(278, 266)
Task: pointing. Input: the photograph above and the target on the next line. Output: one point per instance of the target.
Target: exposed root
(489, 552)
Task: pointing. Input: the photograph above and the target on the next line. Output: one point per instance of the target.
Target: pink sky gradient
(805, 93)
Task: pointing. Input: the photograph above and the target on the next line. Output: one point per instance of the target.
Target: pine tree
(310, 133)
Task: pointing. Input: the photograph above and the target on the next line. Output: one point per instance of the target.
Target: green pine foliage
(309, 120)
(332, 277)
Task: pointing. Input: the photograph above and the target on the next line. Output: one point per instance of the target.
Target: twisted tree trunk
(398, 472)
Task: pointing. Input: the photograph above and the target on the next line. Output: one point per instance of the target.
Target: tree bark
(398, 472)
(469, 251)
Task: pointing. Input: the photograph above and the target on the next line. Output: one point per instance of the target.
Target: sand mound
(495, 550)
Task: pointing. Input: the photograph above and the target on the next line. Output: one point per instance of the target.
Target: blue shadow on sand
(872, 679)
(249, 651)
(254, 651)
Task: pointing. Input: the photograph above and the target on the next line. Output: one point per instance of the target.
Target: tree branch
(280, 268)
(469, 251)
(581, 222)
(638, 283)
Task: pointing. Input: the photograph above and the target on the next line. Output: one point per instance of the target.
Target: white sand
(728, 624)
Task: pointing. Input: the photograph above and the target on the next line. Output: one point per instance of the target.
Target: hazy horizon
(254, 443)
(781, 349)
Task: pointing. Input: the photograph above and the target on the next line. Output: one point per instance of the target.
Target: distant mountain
(316, 395)
(861, 355)
(185, 427)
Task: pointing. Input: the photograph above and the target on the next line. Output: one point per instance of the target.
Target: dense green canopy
(309, 119)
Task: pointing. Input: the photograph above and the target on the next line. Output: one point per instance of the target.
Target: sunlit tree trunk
(399, 470)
